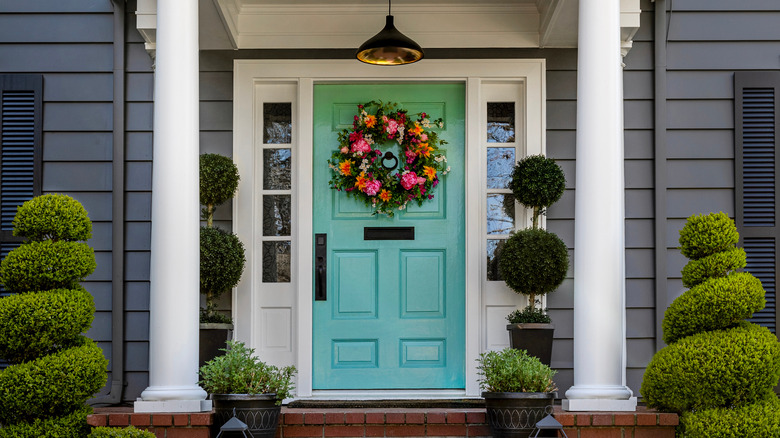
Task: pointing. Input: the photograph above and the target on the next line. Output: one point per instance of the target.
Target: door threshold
(389, 399)
(389, 394)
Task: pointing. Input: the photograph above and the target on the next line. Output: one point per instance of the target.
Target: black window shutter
(21, 127)
(756, 97)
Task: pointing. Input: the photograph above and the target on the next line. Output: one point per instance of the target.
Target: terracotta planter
(259, 412)
(515, 414)
(535, 338)
(213, 337)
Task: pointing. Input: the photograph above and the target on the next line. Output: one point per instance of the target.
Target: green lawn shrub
(715, 304)
(114, 432)
(50, 264)
(756, 420)
(52, 217)
(703, 235)
(715, 265)
(71, 425)
(33, 324)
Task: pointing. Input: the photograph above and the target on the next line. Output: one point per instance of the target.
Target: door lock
(320, 267)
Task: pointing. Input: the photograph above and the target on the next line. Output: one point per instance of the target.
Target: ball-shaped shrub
(53, 216)
(537, 181)
(715, 304)
(48, 264)
(52, 385)
(533, 262)
(755, 420)
(715, 265)
(218, 179)
(713, 369)
(38, 323)
(221, 260)
(703, 235)
(67, 426)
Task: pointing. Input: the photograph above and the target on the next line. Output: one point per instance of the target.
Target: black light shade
(389, 47)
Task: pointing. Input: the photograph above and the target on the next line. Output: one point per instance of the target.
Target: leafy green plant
(52, 217)
(115, 432)
(537, 182)
(528, 315)
(71, 425)
(47, 264)
(222, 257)
(715, 265)
(239, 371)
(512, 370)
(704, 235)
(756, 420)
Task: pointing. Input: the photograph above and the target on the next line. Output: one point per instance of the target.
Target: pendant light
(389, 46)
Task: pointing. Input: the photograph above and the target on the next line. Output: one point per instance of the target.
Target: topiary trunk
(54, 369)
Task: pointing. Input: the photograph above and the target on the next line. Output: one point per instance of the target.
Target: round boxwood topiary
(218, 181)
(221, 264)
(703, 235)
(537, 182)
(68, 426)
(533, 262)
(756, 420)
(715, 304)
(38, 323)
(715, 265)
(713, 369)
(53, 216)
(45, 265)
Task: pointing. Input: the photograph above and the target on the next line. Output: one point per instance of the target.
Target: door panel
(394, 317)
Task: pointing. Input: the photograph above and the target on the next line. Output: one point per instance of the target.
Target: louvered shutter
(757, 121)
(20, 148)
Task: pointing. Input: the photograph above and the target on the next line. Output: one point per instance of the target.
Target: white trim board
(252, 75)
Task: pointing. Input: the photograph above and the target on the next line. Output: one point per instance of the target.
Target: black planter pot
(536, 339)
(515, 414)
(259, 412)
(213, 337)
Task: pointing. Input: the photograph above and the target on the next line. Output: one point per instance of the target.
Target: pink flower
(344, 150)
(355, 136)
(372, 187)
(391, 126)
(410, 156)
(420, 180)
(409, 180)
(424, 137)
(361, 146)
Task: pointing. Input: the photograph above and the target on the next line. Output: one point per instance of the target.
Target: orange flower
(385, 195)
(361, 181)
(370, 121)
(424, 150)
(430, 172)
(417, 130)
(346, 167)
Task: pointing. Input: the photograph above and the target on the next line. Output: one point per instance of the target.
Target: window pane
(493, 248)
(277, 123)
(500, 213)
(276, 262)
(500, 164)
(276, 169)
(276, 215)
(501, 122)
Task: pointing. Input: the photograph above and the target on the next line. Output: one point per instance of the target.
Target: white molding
(306, 73)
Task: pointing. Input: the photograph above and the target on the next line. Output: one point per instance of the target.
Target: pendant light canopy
(389, 46)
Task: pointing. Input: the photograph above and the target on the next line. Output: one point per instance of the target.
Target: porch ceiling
(256, 24)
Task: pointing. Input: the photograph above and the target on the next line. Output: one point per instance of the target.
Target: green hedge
(114, 432)
(712, 369)
(37, 323)
(715, 304)
(53, 216)
(38, 266)
(707, 234)
(52, 385)
(756, 420)
(713, 266)
(71, 425)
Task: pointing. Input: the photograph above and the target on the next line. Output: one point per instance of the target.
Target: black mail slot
(388, 233)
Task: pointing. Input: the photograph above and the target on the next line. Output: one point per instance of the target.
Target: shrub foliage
(54, 370)
(512, 370)
(113, 432)
(718, 370)
(533, 262)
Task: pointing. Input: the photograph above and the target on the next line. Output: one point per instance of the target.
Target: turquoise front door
(394, 317)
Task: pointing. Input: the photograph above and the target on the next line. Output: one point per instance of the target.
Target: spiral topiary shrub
(718, 370)
(54, 369)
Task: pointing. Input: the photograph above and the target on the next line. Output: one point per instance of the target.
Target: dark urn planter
(535, 338)
(213, 338)
(515, 414)
(259, 412)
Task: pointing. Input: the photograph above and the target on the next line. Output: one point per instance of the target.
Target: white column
(599, 236)
(174, 296)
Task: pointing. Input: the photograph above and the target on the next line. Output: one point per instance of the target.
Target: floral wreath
(362, 170)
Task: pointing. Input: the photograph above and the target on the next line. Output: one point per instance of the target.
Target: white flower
(426, 123)
(368, 138)
(441, 124)
(402, 206)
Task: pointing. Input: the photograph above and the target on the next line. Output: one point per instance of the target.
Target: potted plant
(518, 390)
(534, 261)
(240, 382)
(221, 253)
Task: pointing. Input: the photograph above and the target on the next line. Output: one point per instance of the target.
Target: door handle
(321, 267)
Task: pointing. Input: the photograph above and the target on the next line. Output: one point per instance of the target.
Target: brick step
(396, 422)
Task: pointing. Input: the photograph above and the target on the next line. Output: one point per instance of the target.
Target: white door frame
(251, 75)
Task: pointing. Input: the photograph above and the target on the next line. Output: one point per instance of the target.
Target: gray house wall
(71, 44)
